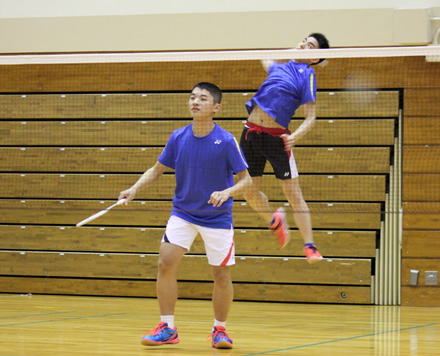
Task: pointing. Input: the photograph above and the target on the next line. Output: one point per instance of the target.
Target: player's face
(307, 43)
(201, 104)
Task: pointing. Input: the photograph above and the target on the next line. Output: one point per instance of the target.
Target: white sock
(169, 319)
(219, 323)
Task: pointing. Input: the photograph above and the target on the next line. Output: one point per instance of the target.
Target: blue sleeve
(168, 155)
(309, 92)
(236, 157)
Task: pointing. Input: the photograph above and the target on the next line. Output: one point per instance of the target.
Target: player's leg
(258, 200)
(166, 285)
(251, 143)
(223, 292)
(176, 241)
(302, 217)
(220, 250)
(222, 297)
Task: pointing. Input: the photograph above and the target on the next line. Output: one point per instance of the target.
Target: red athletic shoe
(312, 254)
(280, 227)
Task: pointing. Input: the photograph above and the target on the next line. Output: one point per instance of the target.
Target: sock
(219, 323)
(309, 244)
(169, 319)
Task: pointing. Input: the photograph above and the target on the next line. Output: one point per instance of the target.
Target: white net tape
(432, 53)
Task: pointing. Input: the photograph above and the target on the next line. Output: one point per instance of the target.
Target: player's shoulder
(223, 132)
(182, 131)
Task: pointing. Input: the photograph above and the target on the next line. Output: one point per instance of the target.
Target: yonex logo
(301, 70)
(217, 142)
(286, 174)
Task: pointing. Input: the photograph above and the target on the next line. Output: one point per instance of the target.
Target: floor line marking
(338, 340)
(65, 319)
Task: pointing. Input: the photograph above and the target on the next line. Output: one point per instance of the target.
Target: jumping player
(266, 137)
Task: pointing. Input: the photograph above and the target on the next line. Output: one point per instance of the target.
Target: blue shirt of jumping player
(202, 166)
(287, 87)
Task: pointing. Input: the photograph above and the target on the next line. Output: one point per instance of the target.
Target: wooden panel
(419, 264)
(137, 160)
(112, 106)
(421, 216)
(415, 243)
(343, 73)
(420, 296)
(346, 132)
(342, 159)
(193, 290)
(154, 213)
(125, 77)
(421, 131)
(147, 240)
(421, 187)
(421, 74)
(422, 102)
(356, 73)
(421, 159)
(192, 267)
(116, 106)
(96, 186)
(349, 132)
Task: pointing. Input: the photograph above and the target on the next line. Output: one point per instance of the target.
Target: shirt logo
(301, 70)
(217, 142)
(286, 174)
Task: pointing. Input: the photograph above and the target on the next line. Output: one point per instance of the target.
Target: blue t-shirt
(202, 166)
(287, 87)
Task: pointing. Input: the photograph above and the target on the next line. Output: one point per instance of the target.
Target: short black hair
(213, 89)
(322, 41)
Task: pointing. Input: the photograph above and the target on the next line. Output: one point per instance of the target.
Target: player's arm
(267, 63)
(150, 176)
(304, 128)
(243, 183)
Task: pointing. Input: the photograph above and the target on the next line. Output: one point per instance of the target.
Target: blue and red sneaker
(220, 338)
(160, 335)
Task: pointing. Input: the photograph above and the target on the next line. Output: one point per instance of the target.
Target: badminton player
(266, 137)
(204, 157)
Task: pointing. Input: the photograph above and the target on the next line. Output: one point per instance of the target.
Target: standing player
(266, 138)
(204, 157)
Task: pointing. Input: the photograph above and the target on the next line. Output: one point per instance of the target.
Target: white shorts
(219, 243)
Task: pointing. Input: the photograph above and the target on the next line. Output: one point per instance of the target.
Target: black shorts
(259, 146)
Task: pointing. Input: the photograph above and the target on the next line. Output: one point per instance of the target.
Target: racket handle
(93, 217)
(102, 212)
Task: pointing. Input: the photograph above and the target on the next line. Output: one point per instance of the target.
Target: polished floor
(35, 325)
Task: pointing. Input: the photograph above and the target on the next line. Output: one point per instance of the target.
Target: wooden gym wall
(61, 161)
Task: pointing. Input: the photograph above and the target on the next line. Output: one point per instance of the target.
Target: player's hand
(289, 141)
(218, 198)
(128, 194)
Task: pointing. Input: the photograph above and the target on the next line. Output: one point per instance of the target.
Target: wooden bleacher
(65, 156)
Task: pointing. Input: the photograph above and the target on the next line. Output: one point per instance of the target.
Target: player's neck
(202, 128)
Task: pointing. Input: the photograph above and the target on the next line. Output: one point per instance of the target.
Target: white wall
(61, 8)
(155, 25)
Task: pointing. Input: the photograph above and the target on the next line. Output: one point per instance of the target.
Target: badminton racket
(101, 213)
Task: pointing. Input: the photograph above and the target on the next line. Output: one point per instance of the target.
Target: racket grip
(93, 217)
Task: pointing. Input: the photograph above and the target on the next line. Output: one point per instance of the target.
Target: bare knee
(221, 276)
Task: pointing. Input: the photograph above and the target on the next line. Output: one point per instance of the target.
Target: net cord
(77, 58)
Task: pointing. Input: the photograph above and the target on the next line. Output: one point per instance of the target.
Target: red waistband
(268, 130)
